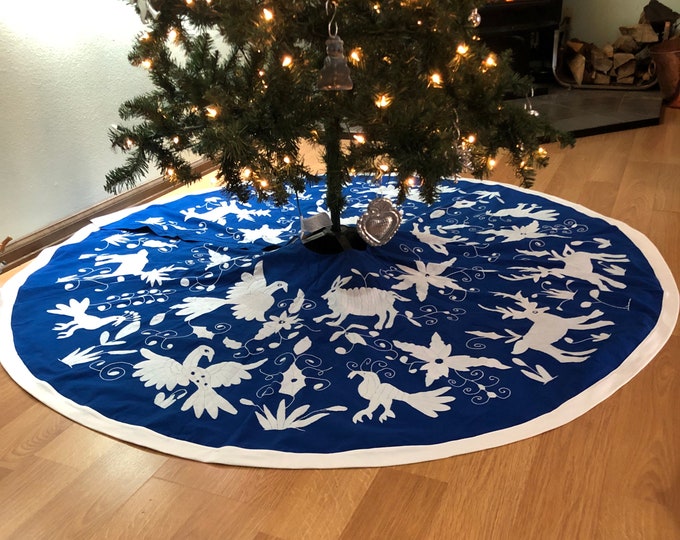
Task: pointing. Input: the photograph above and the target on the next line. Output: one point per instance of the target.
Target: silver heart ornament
(378, 224)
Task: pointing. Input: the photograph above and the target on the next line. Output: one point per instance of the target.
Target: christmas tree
(383, 86)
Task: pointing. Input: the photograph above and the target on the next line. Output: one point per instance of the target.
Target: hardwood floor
(614, 473)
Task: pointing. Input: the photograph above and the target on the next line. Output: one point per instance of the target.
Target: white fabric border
(643, 354)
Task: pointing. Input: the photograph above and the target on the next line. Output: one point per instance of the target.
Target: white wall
(63, 74)
(598, 21)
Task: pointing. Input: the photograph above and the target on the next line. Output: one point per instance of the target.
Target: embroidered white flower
(438, 359)
(425, 275)
(277, 324)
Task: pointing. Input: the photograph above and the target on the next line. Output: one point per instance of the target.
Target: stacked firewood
(627, 61)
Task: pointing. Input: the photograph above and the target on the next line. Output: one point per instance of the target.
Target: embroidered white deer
(576, 265)
(547, 328)
(361, 302)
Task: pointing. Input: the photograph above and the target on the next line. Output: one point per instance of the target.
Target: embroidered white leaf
(203, 332)
(519, 362)
(104, 337)
(544, 373)
(600, 337)
(488, 335)
(355, 338)
(80, 357)
(297, 303)
(615, 270)
(336, 335)
(302, 346)
(127, 330)
(532, 375)
(158, 318)
(295, 420)
(231, 344)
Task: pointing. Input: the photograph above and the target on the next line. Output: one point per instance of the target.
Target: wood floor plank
(221, 518)
(559, 490)
(397, 505)
(636, 195)
(28, 432)
(319, 504)
(500, 474)
(158, 509)
(26, 490)
(13, 400)
(248, 485)
(91, 447)
(646, 464)
(94, 495)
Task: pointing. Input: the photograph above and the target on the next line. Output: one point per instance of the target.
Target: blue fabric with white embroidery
(486, 310)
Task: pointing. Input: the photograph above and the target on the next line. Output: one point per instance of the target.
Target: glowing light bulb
(175, 139)
(189, 2)
(384, 168)
(286, 160)
(211, 111)
(267, 14)
(287, 60)
(245, 173)
(436, 80)
(383, 101)
(490, 61)
(146, 64)
(145, 36)
(173, 35)
(170, 172)
(542, 151)
(129, 143)
(471, 139)
(462, 49)
(358, 137)
(491, 163)
(411, 181)
(355, 56)
(264, 184)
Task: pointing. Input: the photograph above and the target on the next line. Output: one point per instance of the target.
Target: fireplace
(528, 28)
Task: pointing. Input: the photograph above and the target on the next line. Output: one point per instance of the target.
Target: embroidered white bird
(165, 372)
(383, 394)
(437, 243)
(81, 320)
(131, 264)
(250, 298)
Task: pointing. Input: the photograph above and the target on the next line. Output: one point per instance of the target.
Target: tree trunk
(334, 173)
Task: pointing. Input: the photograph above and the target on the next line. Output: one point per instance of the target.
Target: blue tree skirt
(204, 328)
